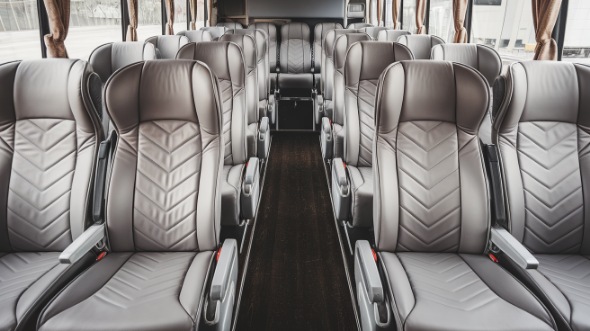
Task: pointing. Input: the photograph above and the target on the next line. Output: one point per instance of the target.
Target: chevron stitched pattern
(297, 51)
(38, 214)
(227, 100)
(167, 184)
(571, 274)
(554, 206)
(430, 197)
(146, 278)
(366, 105)
(446, 279)
(18, 271)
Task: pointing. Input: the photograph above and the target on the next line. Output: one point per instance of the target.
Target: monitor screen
(296, 8)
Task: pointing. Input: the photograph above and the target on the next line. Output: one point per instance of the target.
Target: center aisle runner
(296, 278)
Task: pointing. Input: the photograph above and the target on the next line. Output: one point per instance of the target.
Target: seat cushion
(27, 282)
(133, 291)
(252, 138)
(446, 291)
(230, 194)
(361, 182)
(565, 280)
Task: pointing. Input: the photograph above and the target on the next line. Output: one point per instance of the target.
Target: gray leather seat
(420, 44)
(196, 36)
(215, 31)
(226, 60)
(542, 135)
(51, 133)
(359, 25)
(271, 31)
(364, 64)
(483, 59)
(342, 45)
(167, 46)
(319, 35)
(391, 35)
(432, 213)
(231, 25)
(108, 58)
(373, 31)
(295, 57)
(162, 207)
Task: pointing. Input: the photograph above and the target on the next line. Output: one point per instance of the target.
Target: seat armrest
(318, 108)
(340, 190)
(366, 272)
(250, 188)
(512, 248)
(219, 304)
(271, 108)
(327, 139)
(263, 138)
(83, 244)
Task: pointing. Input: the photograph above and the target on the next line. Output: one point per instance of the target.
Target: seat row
(122, 233)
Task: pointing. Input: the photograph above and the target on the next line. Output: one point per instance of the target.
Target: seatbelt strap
(495, 175)
(104, 152)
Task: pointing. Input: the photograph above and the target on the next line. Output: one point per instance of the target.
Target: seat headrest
(108, 58)
(485, 59)
(359, 25)
(373, 57)
(215, 31)
(197, 36)
(231, 25)
(321, 30)
(295, 30)
(167, 46)
(426, 90)
(420, 44)
(248, 46)
(342, 45)
(261, 41)
(391, 35)
(224, 58)
(331, 37)
(373, 31)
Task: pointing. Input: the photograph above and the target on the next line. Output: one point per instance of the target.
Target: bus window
(19, 30)
(409, 12)
(441, 19)
(576, 46)
(92, 24)
(180, 12)
(150, 19)
(505, 25)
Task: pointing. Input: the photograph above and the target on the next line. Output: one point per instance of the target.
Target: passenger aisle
(296, 277)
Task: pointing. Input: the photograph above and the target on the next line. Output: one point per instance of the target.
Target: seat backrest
(108, 58)
(429, 176)
(342, 45)
(226, 61)
(542, 131)
(167, 46)
(295, 50)
(364, 64)
(248, 46)
(359, 25)
(262, 66)
(483, 59)
(420, 44)
(163, 192)
(215, 31)
(50, 136)
(319, 34)
(231, 25)
(271, 30)
(373, 31)
(197, 36)
(327, 75)
(391, 35)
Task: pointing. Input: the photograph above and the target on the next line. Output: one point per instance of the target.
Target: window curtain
(368, 12)
(459, 11)
(379, 12)
(420, 16)
(170, 17)
(395, 13)
(545, 14)
(212, 12)
(58, 13)
(193, 9)
(132, 27)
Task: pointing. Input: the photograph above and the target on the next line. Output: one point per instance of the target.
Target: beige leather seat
(420, 44)
(162, 210)
(542, 132)
(51, 133)
(352, 187)
(271, 30)
(295, 57)
(332, 132)
(483, 59)
(215, 31)
(240, 175)
(196, 36)
(391, 35)
(431, 211)
(373, 31)
(359, 25)
(108, 58)
(319, 35)
(230, 25)
(167, 46)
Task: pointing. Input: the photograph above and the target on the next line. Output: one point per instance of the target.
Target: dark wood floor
(296, 278)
